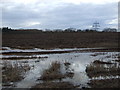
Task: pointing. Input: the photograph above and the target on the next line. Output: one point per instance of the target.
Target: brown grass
(13, 73)
(95, 70)
(106, 83)
(52, 73)
(68, 74)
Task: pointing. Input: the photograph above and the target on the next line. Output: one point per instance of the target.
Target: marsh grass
(98, 68)
(53, 73)
(13, 72)
(104, 69)
(105, 83)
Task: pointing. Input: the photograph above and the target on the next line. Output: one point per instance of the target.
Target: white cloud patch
(32, 23)
(114, 21)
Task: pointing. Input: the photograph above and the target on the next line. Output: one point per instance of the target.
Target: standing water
(78, 62)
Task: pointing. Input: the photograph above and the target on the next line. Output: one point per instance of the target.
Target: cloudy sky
(52, 14)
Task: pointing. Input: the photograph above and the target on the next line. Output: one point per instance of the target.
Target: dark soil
(67, 51)
(33, 53)
(47, 40)
(101, 62)
(19, 58)
(54, 85)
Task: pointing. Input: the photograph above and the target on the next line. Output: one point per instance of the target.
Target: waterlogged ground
(74, 61)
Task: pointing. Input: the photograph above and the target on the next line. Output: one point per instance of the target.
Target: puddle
(78, 62)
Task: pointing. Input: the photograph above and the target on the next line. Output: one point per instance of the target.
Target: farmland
(34, 59)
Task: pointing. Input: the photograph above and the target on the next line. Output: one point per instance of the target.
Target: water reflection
(78, 62)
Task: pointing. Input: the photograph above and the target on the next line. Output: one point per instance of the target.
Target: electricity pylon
(96, 26)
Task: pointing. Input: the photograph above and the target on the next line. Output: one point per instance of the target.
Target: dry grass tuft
(52, 73)
(97, 68)
(13, 73)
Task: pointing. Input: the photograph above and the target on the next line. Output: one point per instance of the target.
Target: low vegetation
(13, 73)
(53, 73)
(105, 83)
(103, 69)
(98, 68)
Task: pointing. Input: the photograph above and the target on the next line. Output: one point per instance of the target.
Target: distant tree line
(6, 29)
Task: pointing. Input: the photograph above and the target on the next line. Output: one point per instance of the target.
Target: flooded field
(60, 68)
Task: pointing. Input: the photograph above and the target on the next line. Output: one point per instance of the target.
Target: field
(48, 40)
(34, 59)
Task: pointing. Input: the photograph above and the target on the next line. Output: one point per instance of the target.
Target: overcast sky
(52, 14)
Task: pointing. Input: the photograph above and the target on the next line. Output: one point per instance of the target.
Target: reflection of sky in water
(78, 65)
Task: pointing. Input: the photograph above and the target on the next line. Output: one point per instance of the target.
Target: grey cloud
(63, 16)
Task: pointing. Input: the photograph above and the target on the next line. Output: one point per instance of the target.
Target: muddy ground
(79, 68)
(74, 60)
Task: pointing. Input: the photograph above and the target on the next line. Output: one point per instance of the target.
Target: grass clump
(13, 73)
(98, 68)
(52, 73)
